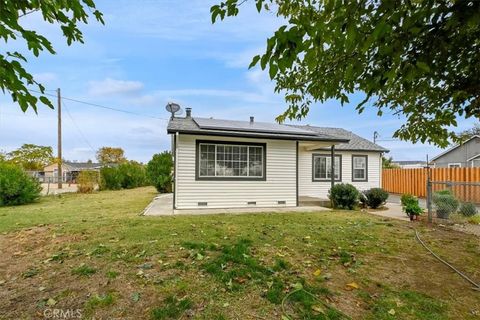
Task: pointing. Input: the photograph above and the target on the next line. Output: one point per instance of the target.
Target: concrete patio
(162, 205)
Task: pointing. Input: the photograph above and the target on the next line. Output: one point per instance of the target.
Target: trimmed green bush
(344, 196)
(159, 171)
(375, 197)
(127, 175)
(132, 175)
(16, 186)
(468, 209)
(110, 179)
(445, 202)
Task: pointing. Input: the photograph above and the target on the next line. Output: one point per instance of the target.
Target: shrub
(410, 205)
(407, 199)
(110, 179)
(413, 208)
(132, 175)
(87, 180)
(375, 197)
(468, 209)
(16, 186)
(445, 202)
(159, 171)
(344, 196)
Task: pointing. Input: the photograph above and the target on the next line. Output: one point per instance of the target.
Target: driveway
(52, 188)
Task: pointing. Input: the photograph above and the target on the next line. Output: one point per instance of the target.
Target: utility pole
(59, 144)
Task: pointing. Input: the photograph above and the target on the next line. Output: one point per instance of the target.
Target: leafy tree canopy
(31, 156)
(419, 59)
(67, 14)
(387, 163)
(111, 155)
(467, 134)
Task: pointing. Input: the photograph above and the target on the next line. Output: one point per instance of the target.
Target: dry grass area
(94, 254)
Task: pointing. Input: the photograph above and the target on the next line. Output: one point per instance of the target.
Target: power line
(76, 125)
(102, 106)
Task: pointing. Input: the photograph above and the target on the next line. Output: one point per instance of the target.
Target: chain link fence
(445, 198)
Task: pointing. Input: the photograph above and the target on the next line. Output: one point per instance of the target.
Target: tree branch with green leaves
(419, 59)
(67, 14)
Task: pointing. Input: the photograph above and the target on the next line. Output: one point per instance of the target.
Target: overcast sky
(151, 52)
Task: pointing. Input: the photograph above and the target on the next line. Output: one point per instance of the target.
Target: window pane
(255, 160)
(322, 168)
(359, 168)
(222, 160)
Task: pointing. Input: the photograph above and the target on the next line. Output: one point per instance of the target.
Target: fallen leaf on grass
(317, 272)
(391, 312)
(135, 297)
(352, 285)
(318, 309)
(51, 302)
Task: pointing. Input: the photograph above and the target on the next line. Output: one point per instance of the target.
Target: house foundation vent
(202, 204)
(252, 203)
(282, 202)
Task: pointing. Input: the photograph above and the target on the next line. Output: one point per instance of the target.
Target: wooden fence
(414, 181)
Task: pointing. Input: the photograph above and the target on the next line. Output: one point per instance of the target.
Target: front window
(359, 168)
(454, 165)
(225, 160)
(322, 167)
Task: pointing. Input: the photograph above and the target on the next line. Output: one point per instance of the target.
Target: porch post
(332, 161)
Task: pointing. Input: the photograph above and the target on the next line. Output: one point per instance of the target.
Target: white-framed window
(226, 160)
(455, 165)
(322, 167)
(359, 168)
(476, 163)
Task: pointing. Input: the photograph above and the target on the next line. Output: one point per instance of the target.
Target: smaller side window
(454, 165)
(359, 168)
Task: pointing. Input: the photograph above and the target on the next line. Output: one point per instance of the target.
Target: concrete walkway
(394, 211)
(162, 205)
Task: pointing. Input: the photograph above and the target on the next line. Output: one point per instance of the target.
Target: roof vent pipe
(251, 120)
(189, 112)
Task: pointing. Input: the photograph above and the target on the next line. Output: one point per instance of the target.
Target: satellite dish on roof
(173, 108)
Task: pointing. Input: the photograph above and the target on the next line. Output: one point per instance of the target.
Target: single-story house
(466, 154)
(70, 170)
(410, 164)
(235, 164)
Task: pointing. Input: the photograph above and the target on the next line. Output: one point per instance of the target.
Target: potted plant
(410, 206)
(413, 210)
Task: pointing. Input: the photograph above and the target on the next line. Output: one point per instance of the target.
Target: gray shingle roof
(348, 140)
(356, 142)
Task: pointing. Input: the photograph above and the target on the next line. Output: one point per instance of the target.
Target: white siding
(280, 184)
(319, 189)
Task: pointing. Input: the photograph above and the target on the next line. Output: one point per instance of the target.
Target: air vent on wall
(282, 202)
(202, 204)
(252, 203)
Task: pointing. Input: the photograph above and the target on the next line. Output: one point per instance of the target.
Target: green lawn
(96, 254)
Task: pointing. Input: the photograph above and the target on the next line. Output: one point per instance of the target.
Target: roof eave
(256, 135)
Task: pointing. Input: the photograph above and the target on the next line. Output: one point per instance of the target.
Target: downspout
(297, 174)
(175, 152)
(332, 162)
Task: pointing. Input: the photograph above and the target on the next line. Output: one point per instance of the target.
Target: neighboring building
(70, 171)
(410, 164)
(462, 155)
(232, 164)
